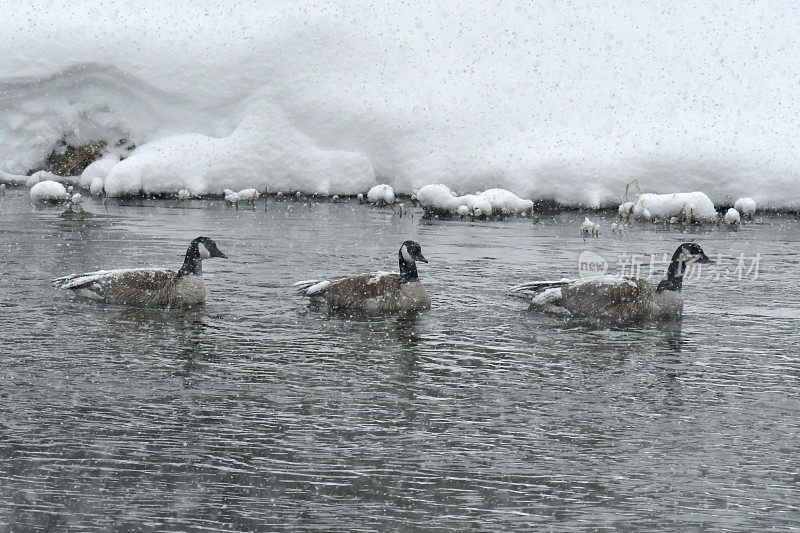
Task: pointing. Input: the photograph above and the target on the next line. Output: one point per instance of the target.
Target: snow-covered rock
(231, 197)
(48, 191)
(745, 206)
(438, 196)
(381, 194)
(249, 195)
(505, 202)
(690, 206)
(493, 201)
(732, 217)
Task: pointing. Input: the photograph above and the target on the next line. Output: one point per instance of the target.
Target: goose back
(621, 298)
(372, 293)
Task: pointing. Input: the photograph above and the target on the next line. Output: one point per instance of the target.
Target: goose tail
(64, 282)
(532, 288)
(309, 287)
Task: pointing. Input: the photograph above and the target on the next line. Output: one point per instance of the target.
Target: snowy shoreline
(300, 99)
(541, 206)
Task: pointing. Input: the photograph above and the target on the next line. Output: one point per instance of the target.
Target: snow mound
(745, 206)
(505, 201)
(381, 194)
(97, 169)
(439, 197)
(264, 150)
(48, 191)
(732, 217)
(690, 206)
(249, 195)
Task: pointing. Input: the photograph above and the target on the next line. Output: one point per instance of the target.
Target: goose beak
(704, 259)
(421, 257)
(218, 253)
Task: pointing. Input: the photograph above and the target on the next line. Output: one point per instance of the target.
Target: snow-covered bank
(549, 101)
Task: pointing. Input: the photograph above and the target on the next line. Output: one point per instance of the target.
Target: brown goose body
(376, 292)
(610, 297)
(138, 287)
(373, 293)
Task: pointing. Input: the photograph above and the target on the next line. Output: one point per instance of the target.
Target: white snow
(183, 194)
(231, 197)
(565, 101)
(375, 277)
(48, 191)
(381, 194)
(249, 195)
(693, 206)
(732, 217)
(98, 169)
(44, 175)
(463, 210)
(745, 206)
(624, 210)
(609, 280)
(96, 186)
(439, 196)
(590, 227)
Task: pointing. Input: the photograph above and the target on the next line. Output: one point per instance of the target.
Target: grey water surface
(256, 412)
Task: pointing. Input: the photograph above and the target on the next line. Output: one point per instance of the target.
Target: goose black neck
(192, 263)
(408, 271)
(674, 281)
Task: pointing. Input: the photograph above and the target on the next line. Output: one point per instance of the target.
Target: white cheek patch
(406, 256)
(204, 253)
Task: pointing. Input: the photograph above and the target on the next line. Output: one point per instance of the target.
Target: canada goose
(616, 297)
(148, 286)
(376, 292)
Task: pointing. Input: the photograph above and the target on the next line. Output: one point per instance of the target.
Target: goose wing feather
(532, 288)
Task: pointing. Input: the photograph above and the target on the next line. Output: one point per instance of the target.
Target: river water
(256, 412)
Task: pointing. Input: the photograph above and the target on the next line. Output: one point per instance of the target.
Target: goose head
(410, 252)
(690, 252)
(199, 249)
(686, 254)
